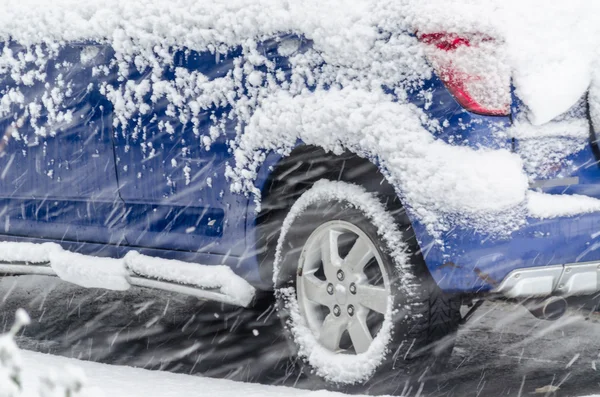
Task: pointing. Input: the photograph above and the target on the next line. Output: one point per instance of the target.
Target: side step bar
(563, 280)
(215, 283)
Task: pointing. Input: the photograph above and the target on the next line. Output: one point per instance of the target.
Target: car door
(57, 168)
(171, 164)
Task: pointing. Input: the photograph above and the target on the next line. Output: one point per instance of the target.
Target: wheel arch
(282, 179)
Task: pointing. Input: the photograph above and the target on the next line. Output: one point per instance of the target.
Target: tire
(376, 339)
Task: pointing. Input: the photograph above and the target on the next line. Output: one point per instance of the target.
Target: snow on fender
(438, 181)
(345, 368)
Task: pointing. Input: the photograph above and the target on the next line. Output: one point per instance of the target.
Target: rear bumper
(564, 280)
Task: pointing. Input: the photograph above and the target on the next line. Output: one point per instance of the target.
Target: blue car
(247, 171)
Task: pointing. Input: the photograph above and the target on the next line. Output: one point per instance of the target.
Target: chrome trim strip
(530, 282)
(562, 280)
(206, 294)
(22, 270)
(580, 279)
(548, 183)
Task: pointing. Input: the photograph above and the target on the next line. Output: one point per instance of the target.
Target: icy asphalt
(502, 351)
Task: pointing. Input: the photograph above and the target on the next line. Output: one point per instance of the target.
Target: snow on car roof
(134, 25)
(366, 44)
(551, 51)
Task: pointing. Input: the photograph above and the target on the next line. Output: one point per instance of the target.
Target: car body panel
(174, 189)
(60, 184)
(172, 198)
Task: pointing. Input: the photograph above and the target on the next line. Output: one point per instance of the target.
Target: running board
(214, 283)
(562, 280)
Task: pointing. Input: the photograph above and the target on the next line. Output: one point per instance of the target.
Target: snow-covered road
(119, 381)
(502, 351)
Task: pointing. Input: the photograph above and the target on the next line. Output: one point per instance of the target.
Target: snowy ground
(109, 380)
(119, 381)
(503, 351)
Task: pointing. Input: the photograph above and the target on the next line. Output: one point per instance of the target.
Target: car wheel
(353, 292)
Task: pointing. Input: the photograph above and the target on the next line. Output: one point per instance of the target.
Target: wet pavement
(502, 351)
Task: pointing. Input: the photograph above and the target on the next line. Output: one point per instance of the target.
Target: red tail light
(472, 69)
(445, 41)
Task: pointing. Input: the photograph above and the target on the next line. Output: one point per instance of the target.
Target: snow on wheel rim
(342, 300)
(346, 368)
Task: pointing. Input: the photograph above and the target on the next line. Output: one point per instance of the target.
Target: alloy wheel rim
(343, 287)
